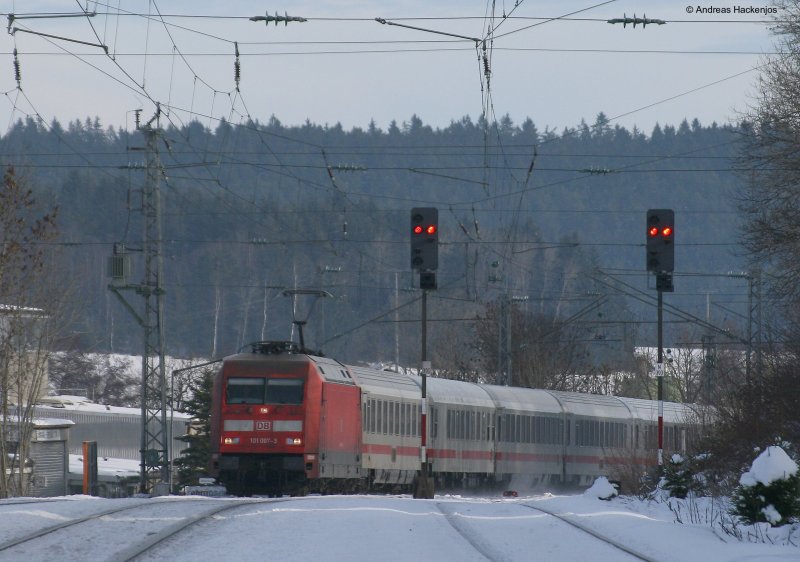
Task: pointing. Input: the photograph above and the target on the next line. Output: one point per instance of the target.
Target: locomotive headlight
(263, 410)
(231, 441)
(294, 441)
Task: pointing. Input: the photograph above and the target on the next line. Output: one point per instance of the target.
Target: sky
(342, 66)
(356, 528)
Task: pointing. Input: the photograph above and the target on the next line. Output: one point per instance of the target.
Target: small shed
(50, 457)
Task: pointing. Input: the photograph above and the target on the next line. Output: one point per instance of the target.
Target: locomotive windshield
(260, 390)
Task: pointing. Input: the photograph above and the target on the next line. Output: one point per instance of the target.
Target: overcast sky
(343, 66)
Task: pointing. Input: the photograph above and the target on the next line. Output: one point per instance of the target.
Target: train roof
(516, 398)
(673, 411)
(375, 381)
(457, 392)
(333, 371)
(254, 357)
(288, 362)
(402, 385)
(290, 357)
(593, 405)
(446, 391)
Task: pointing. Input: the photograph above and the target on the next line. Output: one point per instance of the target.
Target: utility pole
(423, 488)
(660, 256)
(154, 453)
(709, 368)
(754, 319)
(504, 342)
(709, 360)
(660, 380)
(504, 337)
(396, 322)
(424, 258)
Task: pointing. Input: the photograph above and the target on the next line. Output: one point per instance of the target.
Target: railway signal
(660, 240)
(425, 238)
(425, 259)
(661, 261)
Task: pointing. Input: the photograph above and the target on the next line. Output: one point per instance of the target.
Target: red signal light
(653, 231)
(666, 232)
(431, 229)
(418, 229)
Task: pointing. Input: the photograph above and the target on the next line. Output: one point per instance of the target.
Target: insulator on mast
(17, 72)
(237, 67)
(285, 18)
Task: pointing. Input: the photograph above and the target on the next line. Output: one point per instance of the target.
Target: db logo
(263, 426)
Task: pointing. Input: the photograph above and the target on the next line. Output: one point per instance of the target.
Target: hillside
(252, 209)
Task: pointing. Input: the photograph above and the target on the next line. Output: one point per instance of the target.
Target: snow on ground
(449, 527)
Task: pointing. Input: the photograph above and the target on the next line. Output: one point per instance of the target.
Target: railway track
(458, 519)
(153, 541)
(179, 528)
(458, 525)
(5, 546)
(133, 547)
(586, 529)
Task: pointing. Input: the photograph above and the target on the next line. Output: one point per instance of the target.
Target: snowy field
(355, 528)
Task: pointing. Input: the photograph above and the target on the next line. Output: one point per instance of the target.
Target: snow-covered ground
(448, 527)
(553, 528)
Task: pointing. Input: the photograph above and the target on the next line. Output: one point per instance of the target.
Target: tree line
(252, 208)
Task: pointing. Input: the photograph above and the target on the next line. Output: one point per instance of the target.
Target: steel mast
(154, 458)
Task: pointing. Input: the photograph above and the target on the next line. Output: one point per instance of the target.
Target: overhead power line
(113, 10)
(252, 54)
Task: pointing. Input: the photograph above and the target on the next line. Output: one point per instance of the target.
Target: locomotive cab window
(284, 391)
(258, 390)
(245, 391)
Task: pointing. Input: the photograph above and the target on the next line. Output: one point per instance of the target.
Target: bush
(770, 491)
(678, 477)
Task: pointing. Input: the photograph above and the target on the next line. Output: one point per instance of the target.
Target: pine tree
(752, 503)
(765, 496)
(194, 461)
(678, 477)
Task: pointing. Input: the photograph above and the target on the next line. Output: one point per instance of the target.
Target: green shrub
(770, 491)
(678, 477)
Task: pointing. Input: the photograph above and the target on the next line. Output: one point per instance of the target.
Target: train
(288, 421)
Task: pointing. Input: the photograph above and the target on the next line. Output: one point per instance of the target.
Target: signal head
(660, 240)
(424, 238)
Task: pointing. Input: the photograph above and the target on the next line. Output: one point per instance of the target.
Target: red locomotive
(280, 419)
(285, 421)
